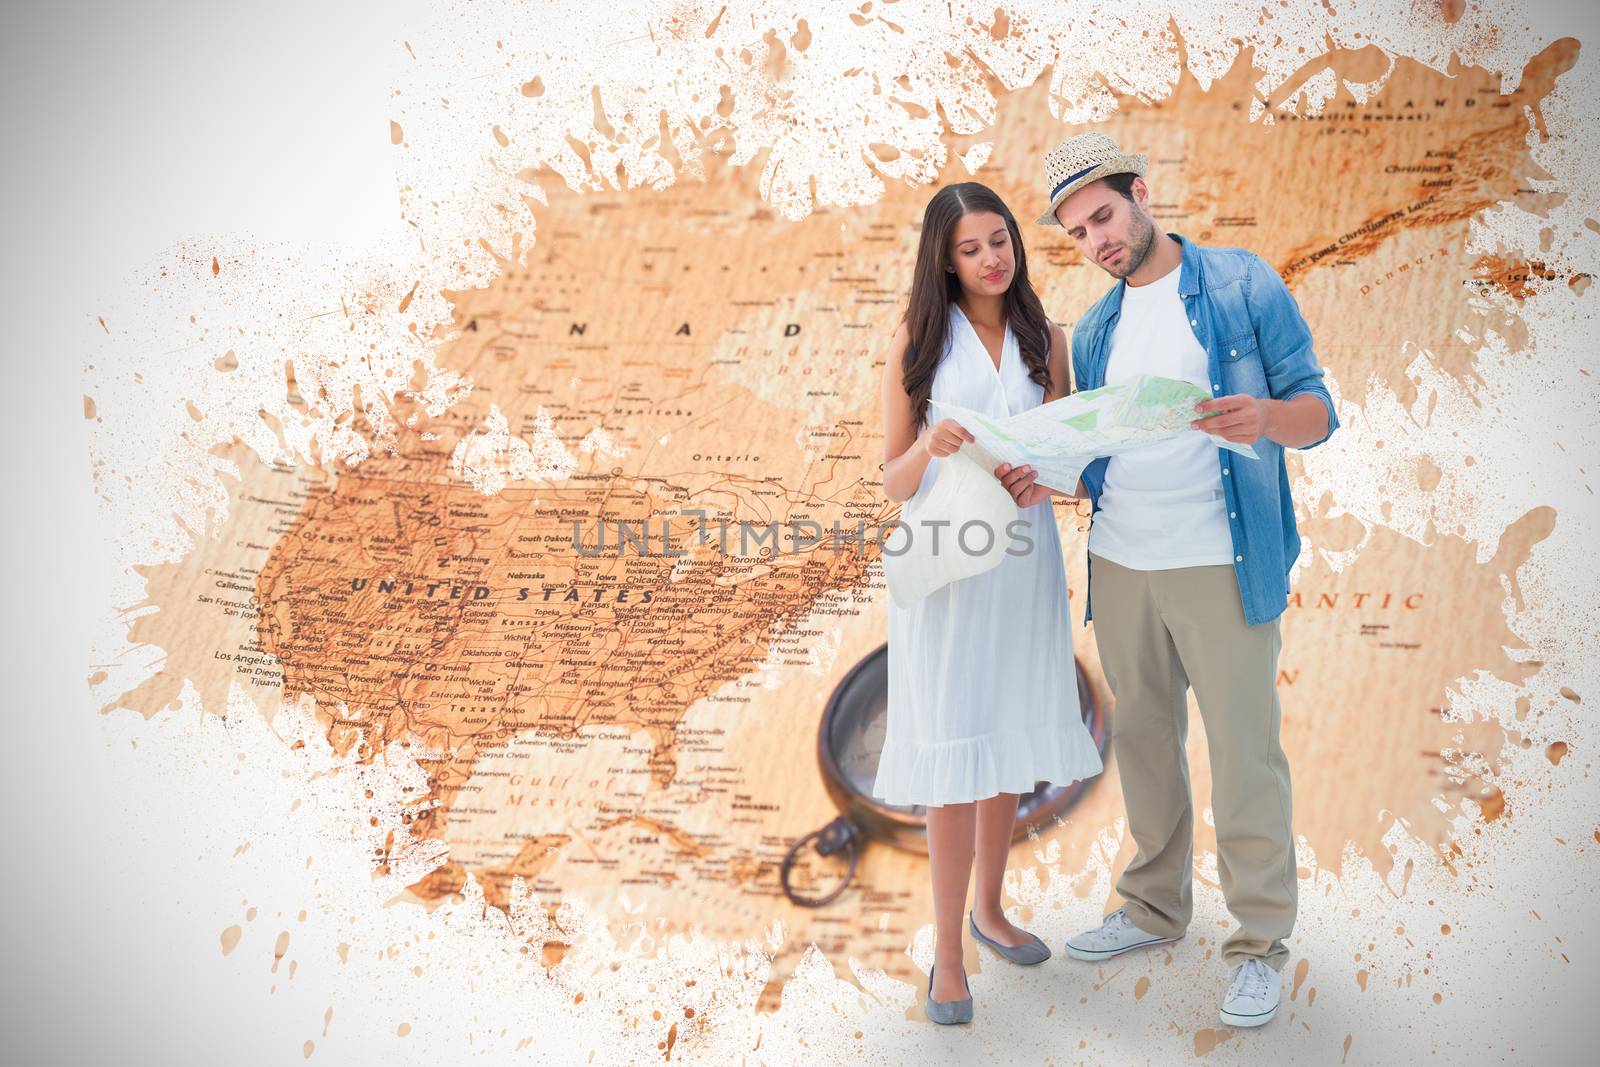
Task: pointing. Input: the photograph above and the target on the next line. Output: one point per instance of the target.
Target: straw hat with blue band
(1076, 162)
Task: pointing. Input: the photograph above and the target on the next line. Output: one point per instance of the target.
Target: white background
(128, 126)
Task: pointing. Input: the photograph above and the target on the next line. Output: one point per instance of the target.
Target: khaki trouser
(1159, 633)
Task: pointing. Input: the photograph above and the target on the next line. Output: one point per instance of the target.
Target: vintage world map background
(652, 265)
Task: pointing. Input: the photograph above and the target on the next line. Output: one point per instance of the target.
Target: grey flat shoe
(948, 1011)
(1027, 953)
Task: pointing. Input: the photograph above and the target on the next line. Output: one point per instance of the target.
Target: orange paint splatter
(1492, 804)
(230, 938)
(278, 949)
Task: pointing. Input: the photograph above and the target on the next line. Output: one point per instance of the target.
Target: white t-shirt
(1162, 505)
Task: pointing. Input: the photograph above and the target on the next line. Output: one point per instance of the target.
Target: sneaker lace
(1251, 981)
(1116, 921)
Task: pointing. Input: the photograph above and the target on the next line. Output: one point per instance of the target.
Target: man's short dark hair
(1122, 183)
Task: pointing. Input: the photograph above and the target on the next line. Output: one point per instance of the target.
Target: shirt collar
(1188, 272)
(1188, 267)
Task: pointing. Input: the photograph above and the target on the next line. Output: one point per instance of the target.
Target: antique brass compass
(848, 744)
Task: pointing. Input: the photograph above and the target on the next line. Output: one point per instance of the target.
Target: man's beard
(1144, 236)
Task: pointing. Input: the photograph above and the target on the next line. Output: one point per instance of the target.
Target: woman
(983, 698)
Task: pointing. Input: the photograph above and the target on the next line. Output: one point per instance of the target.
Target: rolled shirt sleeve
(1284, 340)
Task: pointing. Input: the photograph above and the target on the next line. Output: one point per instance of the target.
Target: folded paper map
(1057, 440)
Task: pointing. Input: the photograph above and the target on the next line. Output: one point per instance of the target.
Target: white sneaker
(1114, 936)
(1252, 998)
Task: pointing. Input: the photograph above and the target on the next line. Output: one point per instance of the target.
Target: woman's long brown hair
(933, 288)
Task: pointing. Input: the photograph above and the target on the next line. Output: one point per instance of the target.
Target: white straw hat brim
(1135, 164)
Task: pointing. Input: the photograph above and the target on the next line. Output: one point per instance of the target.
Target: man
(1190, 548)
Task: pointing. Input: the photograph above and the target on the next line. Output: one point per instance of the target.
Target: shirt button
(1216, 386)
(1194, 322)
(1233, 351)
(1224, 470)
(1233, 514)
(1238, 559)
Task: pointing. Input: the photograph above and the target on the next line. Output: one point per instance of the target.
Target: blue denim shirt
(1256, 342)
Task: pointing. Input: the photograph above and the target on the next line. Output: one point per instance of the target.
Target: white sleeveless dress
(983, 694)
